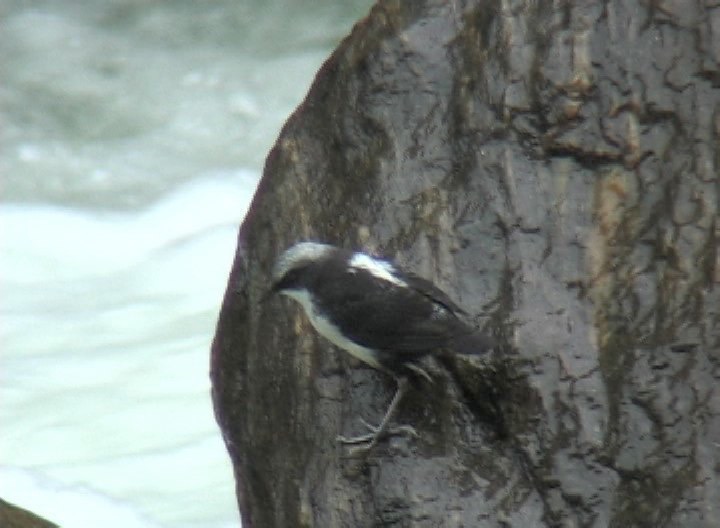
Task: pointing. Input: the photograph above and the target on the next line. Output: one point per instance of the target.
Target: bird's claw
(402, 430)
(354, 440)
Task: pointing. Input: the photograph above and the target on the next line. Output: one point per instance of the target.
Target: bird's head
(292, 268)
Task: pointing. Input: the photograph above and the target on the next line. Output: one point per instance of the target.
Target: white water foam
(106, 327)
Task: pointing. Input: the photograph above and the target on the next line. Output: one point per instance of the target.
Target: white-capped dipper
(382, 315)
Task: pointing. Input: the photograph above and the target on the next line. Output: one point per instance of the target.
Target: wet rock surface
(554, 168)
(12, 516)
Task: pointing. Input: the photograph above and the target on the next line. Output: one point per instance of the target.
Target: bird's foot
(400, 430)
(354, 440)
(375, 432)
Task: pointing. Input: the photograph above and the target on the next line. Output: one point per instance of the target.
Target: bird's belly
(332, 333)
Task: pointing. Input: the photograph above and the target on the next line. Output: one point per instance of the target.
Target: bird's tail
(472, 344)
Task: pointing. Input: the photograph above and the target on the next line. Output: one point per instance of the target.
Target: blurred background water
(133, 133)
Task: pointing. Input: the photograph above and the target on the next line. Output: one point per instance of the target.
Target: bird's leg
(372, 438)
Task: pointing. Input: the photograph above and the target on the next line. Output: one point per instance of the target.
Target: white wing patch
(380, 269)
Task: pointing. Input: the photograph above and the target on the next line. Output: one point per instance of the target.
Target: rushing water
(133, 134)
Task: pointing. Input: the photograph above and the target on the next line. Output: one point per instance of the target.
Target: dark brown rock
(554, 167)
(13, 517)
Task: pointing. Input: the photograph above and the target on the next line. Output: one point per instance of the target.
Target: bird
(385, 316)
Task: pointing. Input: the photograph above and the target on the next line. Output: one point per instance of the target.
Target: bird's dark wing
(463, 339)
(385, 316)
(432, 292)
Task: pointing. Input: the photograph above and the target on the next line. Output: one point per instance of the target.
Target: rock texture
(554, 167)
(13, 517)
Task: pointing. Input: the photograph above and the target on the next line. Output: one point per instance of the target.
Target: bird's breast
(330, 331)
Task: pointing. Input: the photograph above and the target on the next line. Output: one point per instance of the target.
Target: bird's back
(405, 316)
